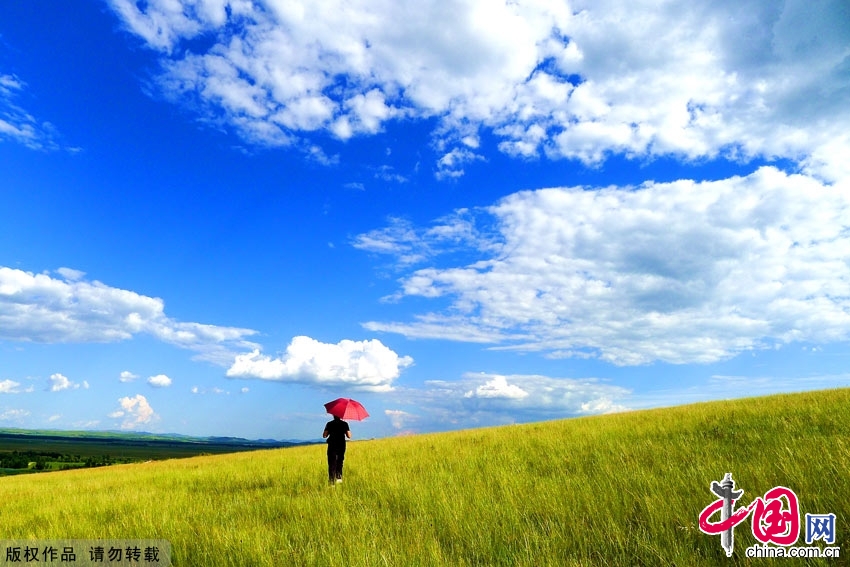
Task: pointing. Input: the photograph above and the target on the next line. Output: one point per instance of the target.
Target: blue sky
(216, 215)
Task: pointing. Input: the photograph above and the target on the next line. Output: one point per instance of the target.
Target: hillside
(623, 489)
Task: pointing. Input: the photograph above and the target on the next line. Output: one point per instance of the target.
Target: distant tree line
(22, 460)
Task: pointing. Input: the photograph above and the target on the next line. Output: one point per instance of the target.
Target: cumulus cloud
(40, 308)
(484, 399)
(578, 79)
(135, 411)
(536, 394)
(363, 365)
(59, 382)
(159, 381)
(276, 69)
(497, 387)
(680, 272)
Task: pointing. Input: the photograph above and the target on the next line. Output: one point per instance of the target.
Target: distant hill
(56, 450)
(139, 436)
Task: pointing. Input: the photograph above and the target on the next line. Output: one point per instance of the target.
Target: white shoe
(339, 480)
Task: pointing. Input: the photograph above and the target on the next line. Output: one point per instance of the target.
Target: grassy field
(622, 489)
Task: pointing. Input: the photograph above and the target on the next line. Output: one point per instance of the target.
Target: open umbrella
(346, 408)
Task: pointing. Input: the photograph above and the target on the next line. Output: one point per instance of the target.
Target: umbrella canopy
(346, 408)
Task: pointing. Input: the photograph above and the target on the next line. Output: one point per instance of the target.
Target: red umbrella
(346, 408)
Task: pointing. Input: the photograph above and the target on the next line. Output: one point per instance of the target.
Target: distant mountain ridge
(146, 437)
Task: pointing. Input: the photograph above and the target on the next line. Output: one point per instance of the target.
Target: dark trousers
(336, 455)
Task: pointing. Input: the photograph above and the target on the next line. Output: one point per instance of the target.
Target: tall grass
(622, 489)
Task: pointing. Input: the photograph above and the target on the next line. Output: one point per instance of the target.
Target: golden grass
(622, 489)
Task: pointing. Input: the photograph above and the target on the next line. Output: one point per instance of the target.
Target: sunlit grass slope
(622, 489)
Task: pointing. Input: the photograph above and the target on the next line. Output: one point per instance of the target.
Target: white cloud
(318, 155)
(17, 124)
(387, 173)
(409, 244)
(16, 415)
(213, 390)
(369, 111)
(280, 68)
(59, 382)
(535, 394)
(127, 376)
(601, 405)
(450, 328)
(9, 387)
(159, 381)
(497, 387)
(399, 418)
(398, 239)
(70, 274)
(580, 79)
(679, 272)
(10, 83)
(364, 365)
(136, 411)
(483, 399)
(39, 308)
(450, 165)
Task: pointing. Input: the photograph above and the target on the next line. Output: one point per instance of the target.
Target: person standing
(336, 432)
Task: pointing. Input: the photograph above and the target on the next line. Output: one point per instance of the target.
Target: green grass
(622, 489)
